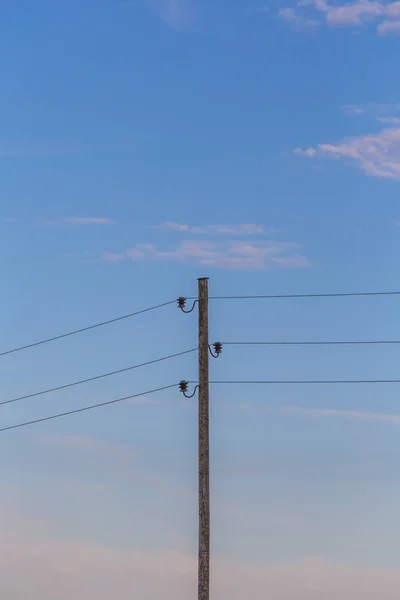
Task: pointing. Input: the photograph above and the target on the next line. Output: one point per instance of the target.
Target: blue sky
(146, 144)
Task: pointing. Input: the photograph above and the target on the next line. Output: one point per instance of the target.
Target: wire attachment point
(182, 303)
(183, 387)
(217, 349)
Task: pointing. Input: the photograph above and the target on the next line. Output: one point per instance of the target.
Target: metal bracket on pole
(182, 303)
(217, 349)
(183, 387)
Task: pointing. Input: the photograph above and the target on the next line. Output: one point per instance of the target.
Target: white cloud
(175, 226)
(241, 229)
(377, 154)
(393, 10)
(87, 221)
(136, 253)
(67, 221)
(389, 27)
(353, 109)
(245, 229)
(373, 108)
(176, 14)
(225, 255)
(348, 14)
(112, 257)
(78, 221)
(229, 254)
(309, 152)
(355, 13)
(389, 120)
(346, 414)
(296, 20)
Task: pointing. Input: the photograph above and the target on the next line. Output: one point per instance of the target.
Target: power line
(309, 382)
(79, 410)
(279, 296)
(64, 335)
(313, 343)
(68, 385)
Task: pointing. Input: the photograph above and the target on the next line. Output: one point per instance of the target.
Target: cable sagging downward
(83, 329)
(102, 376)
(85, 408)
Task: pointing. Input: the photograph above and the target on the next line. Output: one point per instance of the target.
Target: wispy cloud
(353, 109)
(35, 563)
(348, 14)
(389, 120)
(377, 154)
(374, 109)
(176, 226)
(111, 257)
(246, 407)
(78, 221)
(242, 229)
(86, 444)
(346, 414)
(352, 13)
(176, 14)
(296, 20)
(224, 255)
(308, 152)
(88, 221)
(389, 28)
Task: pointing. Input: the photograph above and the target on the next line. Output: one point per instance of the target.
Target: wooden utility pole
(204, 449)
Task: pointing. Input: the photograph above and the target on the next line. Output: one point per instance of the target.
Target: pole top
(203, 279)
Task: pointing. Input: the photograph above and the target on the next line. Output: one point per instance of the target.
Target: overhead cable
(303, 382)
(313, 343)
(85, 408)
(70, 333)
(89, 379)
(281, 296)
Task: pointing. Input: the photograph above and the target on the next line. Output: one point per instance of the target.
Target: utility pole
(204, 350)
(204, 446)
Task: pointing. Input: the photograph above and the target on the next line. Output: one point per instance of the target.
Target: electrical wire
(309, 382)
(279, 296)
(68, 385)
(64, 335)
(85, 408)
(316, 343)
